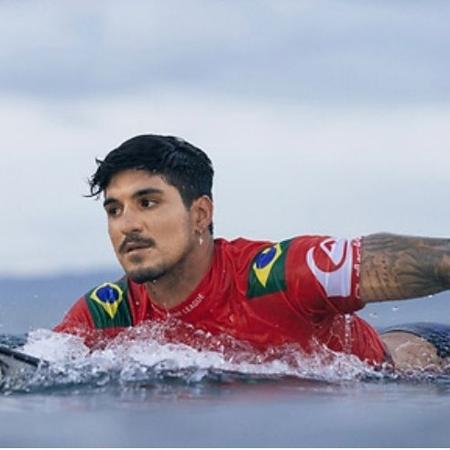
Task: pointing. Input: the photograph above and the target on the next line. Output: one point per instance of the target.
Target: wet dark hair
(182, 165)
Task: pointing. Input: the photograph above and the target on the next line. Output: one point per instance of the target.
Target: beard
(146, 274)
(140, 273)
(151, 274)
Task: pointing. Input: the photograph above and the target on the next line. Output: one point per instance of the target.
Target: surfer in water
(157, 194)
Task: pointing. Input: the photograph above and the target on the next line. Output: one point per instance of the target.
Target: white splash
(55, 347)
(133, 354)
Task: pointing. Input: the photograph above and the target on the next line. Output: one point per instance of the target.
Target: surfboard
(14, 364)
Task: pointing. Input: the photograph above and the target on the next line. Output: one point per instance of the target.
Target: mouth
(132, 246)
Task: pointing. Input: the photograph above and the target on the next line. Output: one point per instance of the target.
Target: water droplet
(430, 296)
(373, 314)
(348, 333)
(395, 308)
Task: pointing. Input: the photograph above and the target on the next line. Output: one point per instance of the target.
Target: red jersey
(304, 291)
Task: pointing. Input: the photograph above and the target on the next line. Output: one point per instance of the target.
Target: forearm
(397, 267)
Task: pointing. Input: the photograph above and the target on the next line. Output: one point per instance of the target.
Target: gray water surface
(244, 411)
(275, 414)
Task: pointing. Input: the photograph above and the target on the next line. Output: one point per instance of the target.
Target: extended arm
(397, 267)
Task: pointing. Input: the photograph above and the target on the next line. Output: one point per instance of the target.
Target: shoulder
(239, 252)
(259, 266)
(108, 304)
(240, 245)
(264, 249)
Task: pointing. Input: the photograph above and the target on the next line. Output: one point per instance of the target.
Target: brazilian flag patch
(267, 271)
(108, 305)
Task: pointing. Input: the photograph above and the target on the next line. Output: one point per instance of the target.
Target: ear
(202, 210)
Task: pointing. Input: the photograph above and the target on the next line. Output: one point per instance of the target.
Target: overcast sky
(323, 117)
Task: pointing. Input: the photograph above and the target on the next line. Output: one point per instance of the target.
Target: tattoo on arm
(399, 267)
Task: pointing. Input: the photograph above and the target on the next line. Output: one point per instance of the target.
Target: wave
(143, 357)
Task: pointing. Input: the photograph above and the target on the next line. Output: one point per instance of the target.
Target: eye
(112, 211)
(146, 203)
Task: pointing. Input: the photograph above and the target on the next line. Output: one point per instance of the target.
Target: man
(304, 291)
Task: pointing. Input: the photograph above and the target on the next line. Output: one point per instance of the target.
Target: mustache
(134, 239)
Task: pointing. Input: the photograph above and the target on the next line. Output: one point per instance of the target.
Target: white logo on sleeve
(331, 263)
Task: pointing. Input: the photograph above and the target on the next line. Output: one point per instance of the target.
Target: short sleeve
(323, 275)
(77, 317)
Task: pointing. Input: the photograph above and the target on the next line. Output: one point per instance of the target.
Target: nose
(131, 222)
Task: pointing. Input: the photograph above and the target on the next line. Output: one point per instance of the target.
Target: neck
(176, 286)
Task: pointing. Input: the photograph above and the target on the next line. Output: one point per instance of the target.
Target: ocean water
(145, 392)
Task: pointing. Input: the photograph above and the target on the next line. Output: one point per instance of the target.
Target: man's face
(150, 228)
